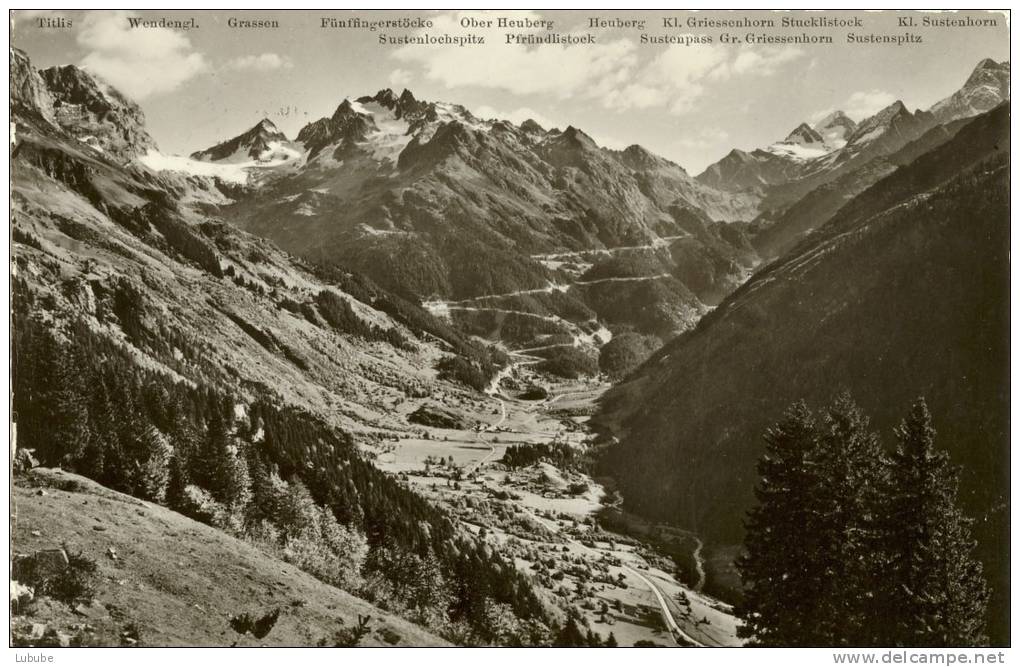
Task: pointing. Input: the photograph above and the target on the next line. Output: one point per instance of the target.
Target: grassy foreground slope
(178, 582)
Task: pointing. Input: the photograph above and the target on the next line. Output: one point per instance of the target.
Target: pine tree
(103, 439)
(570, 635)
(780, 567)
(224, 472)
(151, 471)
(853, 476)
(177, 481)
(934, 584)
(61, 428)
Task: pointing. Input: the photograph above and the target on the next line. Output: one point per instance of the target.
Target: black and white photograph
(522, 328)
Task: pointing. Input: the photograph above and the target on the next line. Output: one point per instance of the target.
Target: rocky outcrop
(29, 93)
(250, 145)
(97, 114)
(985, 88)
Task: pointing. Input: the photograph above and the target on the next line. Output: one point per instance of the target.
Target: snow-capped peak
(262, 143)
(874, 126)
(835, 128)
(266, 125)
(985, 88)
(804, 136)
(803, 143)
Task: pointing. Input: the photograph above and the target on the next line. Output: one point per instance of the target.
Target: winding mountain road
(667, 615)
(492, 391)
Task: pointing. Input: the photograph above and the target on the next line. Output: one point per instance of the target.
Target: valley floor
(545, 518)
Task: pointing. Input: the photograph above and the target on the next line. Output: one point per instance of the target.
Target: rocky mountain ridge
(521, 234)
(782, 181)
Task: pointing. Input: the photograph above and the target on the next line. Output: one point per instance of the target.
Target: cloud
(399, 78)
(265, 62)
(765, 61)
(675, 79)
(705, 137)
(616, 74)
(859, 105)
(547, 69)
(866, 103)
(818, 115)
(139, 63)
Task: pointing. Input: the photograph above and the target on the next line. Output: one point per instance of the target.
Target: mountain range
(842, 155)
(537, 238)
(401, 247)
(520, 234)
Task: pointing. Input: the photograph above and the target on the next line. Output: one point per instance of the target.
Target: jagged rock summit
(83, 106)
(985, 88)
(264, 138)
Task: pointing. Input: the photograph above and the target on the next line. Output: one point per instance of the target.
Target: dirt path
(658, 243)
(627, 279)
(699, 564)
(491, 390)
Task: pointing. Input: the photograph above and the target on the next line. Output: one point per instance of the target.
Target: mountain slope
(177, 358)
(439, 205)
(781, 177)
(176, 581)
(777, 232)
(95, 113)
(904, 292)
(263, 143)
(985, 88)
(835, 128)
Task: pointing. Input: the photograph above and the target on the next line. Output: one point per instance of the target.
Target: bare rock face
(835, 128)
(781, 179)
(25, 459)
(252, 144)
(21, 595)
(96, 113)
(986, 88)
(28, 90)
(428, 199)
(79, 293)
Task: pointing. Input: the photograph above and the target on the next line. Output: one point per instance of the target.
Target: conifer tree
(934, 584)
(57, 402)
(225, 473)
(570, 635)
(852, 471)
(151, 470)
(781, 571)
(177, 481)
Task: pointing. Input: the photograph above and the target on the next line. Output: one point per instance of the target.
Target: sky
(689, 103)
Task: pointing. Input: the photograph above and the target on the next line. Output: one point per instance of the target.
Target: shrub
(577, 488)
(535, 393)
(199, 504)
(74, 585)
